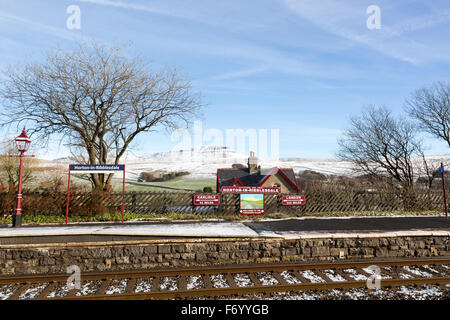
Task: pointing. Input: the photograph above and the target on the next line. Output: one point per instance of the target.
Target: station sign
(93, 169)
(251, 203)
(293, 200)
(96, 168)
(206, 200)
(231, 189)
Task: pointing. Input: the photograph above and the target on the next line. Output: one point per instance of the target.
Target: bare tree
(96, 100)
(379, 145)
(9, 166)
(431, 108)
(428, 169)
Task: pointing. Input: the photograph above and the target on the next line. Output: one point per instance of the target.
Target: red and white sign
(293, 200)
(230, 189)
(206, 200)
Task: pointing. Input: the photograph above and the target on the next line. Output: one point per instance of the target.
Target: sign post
(96, 168)
(441, 170)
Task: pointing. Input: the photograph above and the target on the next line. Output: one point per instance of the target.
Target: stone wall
(148, 254)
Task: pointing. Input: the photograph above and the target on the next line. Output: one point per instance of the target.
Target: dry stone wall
(150, 254)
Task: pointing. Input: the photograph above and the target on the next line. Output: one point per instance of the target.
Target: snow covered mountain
(203, 162)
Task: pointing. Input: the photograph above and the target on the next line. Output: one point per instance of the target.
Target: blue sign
(96, 168)
(441, 169)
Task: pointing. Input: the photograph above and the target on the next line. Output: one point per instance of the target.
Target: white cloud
(57, 32)
(243, 73)
(348, 21)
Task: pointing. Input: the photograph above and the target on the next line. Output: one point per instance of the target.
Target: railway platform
(293, 228)
(111, 247)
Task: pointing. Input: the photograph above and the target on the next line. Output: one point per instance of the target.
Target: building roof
(237, 176)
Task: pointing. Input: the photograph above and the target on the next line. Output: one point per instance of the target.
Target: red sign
(293, 200)
(229, 189)
(206, 200)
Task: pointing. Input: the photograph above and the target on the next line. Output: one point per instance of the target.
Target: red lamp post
(22, 144)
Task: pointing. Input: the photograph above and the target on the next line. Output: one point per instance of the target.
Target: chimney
(252, 163)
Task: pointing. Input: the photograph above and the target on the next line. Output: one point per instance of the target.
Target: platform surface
(284, 228)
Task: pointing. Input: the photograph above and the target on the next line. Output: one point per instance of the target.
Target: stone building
(254, 176)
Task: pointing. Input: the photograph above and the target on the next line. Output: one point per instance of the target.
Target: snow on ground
(89, 287)
(176, 229)
(219, 281)
(6, 291)
(117, 286)
(169, 283)
(194, 282)
(33, 291)
(202, 162)
(266, 279)
(144, 285)
(289, 277)
(418, 272)
(334, 276)
(314, 278)
(355, 275)
(243, 280)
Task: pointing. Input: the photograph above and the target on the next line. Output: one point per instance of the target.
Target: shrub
(147, 176)
(207, 190)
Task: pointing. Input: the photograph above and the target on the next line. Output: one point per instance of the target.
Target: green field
(184, 182)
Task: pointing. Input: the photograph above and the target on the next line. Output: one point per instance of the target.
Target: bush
(147, 177)
(171, 175)
(207, 190)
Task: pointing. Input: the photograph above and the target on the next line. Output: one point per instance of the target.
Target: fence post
(441, 170)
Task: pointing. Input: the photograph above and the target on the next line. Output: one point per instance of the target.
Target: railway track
(227, 281)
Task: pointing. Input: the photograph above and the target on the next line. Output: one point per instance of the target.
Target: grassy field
(184, 182)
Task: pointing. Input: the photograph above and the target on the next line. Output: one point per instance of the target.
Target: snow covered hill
(204, 161)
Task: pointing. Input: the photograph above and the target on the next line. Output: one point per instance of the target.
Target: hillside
(203, 162)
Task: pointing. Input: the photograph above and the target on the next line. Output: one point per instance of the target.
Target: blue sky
(300, 66)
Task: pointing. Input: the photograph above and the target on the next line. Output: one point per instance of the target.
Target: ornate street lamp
(22, 144)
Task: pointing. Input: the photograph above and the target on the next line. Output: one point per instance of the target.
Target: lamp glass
(22, 144)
